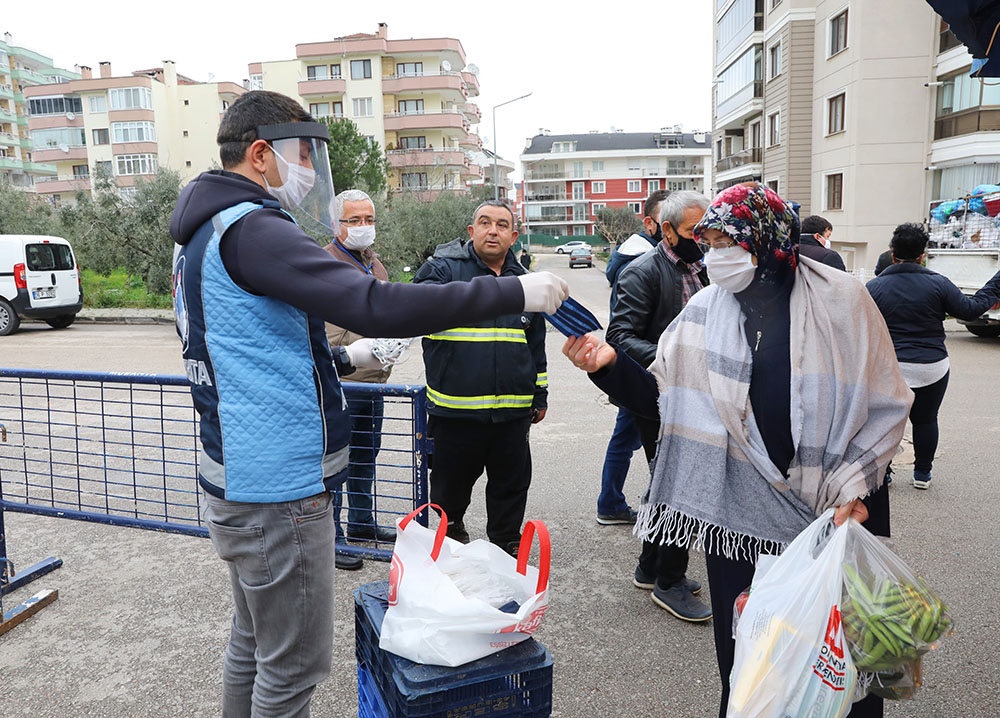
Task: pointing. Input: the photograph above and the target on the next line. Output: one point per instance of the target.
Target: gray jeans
(280, 559)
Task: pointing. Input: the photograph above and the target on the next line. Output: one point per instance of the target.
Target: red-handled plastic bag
(451, 603)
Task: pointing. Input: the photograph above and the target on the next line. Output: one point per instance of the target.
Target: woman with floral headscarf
(773, 399)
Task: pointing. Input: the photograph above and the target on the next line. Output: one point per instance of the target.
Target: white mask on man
(359, 238)
(732, 268)
(296, 184)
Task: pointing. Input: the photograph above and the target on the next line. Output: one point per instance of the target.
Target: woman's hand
(853, 510)
(589, 353)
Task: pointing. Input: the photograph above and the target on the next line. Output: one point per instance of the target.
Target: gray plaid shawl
(712, 483)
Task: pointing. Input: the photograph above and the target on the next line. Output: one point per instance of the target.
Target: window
(652, 186)
(835, 191)
(81, 171)
(743, 72)
(635, 185)
(319, 109)
(187, 102)
(413, 180)
(103, 168)
(838, 33)
(225, 105)
(54, 105)
(835, 114)
(101, 137)
(54, 137)
(99, 103)
(133, 132)
(579, 190)
(132, 98)
(256, 82)
(773, 129)
(412, 143)
(677, 185)
(773, 184)
(635, 207)
(127, 194)
(597, 207)
(135, 164)
(755, 135)
(411, 107)
(316, 72)
(187, 163)
(597, 188)
(775, 3)
(633, 163)
(370, 139)
(578, 169)
(338, 109)
(774, 61)
(409, 69)
(735, 26)
(579, 230)
(597, 165)
(48, 257)
(677, 164)
(362, 107)
(335, 71)
(185, 133)
(563, 146)
(361, 69)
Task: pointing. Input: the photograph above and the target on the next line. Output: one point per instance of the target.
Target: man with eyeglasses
(353, 245)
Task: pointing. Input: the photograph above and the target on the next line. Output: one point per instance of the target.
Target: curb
(83, 319)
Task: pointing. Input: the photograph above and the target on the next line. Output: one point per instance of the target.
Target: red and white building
(566, 179)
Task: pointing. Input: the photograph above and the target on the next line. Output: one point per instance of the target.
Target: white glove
(543, 291)
(360, 354)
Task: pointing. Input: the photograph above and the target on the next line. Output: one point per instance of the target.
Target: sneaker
(371, 532)
(921, 480)
(627, 516)
(456, 530)
(346, 562)
(681, 603)
(643, 580)
(512, 548)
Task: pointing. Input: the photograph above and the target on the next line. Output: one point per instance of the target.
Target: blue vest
(274, 421)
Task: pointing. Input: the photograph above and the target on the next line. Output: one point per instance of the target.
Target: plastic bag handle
(544, 552)
(442, 528)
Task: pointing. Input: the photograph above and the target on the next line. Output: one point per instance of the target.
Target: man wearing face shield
(253, 293)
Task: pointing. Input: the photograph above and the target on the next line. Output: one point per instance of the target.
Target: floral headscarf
(757, 219)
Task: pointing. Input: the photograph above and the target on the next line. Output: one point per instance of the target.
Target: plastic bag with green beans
(891, 616)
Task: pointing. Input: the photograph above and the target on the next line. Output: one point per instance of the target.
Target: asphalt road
(142, 618)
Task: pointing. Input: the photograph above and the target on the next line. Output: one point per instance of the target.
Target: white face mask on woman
(732, 268)
(295, 186)
(359, 238)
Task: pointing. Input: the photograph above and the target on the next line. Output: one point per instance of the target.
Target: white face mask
(360, 237)
(296, 184)
(732, 268)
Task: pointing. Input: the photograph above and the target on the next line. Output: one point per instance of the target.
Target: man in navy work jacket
(252, 293)
(486, 385)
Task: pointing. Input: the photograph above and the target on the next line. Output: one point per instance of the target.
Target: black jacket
(647, 298)
(487, 371)
(914, 301)
(812, 248)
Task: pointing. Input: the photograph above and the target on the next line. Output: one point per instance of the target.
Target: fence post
(423, 448)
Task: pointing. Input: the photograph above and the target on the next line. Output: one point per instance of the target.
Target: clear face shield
(306, 190)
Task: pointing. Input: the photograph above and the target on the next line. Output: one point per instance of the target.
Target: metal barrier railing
(121, 449)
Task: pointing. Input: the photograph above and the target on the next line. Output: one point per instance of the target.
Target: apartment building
(127, 126)
(20, 69)
(827, 102)
(411, 96)
(568, 178)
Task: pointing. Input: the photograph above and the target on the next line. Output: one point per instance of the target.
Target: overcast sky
(636, 66)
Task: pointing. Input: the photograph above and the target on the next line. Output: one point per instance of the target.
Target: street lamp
(496, 185)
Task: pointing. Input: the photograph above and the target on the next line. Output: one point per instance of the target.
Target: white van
(39, 279)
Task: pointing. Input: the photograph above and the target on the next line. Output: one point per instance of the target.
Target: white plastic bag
(791, 655)
(445, 598)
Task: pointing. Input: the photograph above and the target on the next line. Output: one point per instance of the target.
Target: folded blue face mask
(573, 319)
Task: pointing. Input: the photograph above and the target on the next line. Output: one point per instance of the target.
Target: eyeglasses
(718, 243)
(355, 221)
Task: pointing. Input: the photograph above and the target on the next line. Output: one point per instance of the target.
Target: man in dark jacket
(651, 291)
(486, 385)
(251, 293)
(612, 508)
(814, 242)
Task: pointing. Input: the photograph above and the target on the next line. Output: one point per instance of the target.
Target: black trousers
(667, 563)
(463, 449)
(924, 417)
(728, 578)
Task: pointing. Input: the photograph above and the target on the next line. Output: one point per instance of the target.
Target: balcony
(471, 140)
(947, 41)
(744, 96)
(9, 140)
(472, 112)
(431, 120)
(750, 156)
(322, 88)
(30, 76)
(56, 154)
(978, 119)
(559, 196)
(540, 175)
(426, 157)
(449, 84)
(474, 171)
(725, 46)
(55, 185)
(40, 168)
(10, 163)
(473, 83)
(7, 116)
(6, 92)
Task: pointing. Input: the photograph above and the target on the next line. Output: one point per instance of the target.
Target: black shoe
(682, 603)
(346, 562)
(371, 532)
(627, 516)
(512, 548)
(456, 530)
(643, 580)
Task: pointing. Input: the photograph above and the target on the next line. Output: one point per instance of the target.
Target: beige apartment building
(127, 126)
(413, 97)
(830, 103)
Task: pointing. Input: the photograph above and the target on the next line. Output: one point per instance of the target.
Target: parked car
(581, 257)
(570, 246)
(39, 279)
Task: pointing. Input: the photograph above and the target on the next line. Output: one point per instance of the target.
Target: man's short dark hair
(652, 202)
(908, 242)
(495, 203)
(814, 224)
(238, 129)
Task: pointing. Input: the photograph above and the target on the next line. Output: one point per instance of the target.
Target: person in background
(815, 242)
(525, 259)
(915, 301)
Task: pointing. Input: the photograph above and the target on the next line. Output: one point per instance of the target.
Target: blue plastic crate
(514, 682)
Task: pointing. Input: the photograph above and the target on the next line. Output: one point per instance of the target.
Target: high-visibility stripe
(486, 401)
(480, 334)
(543, 379)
